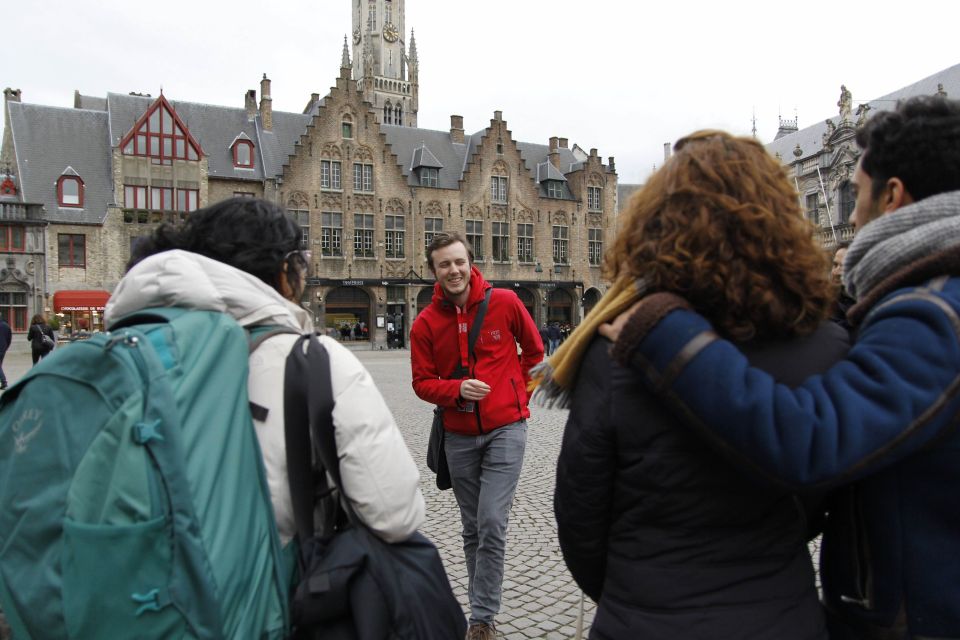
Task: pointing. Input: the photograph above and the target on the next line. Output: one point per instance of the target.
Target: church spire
(413, 48)
(345, 57)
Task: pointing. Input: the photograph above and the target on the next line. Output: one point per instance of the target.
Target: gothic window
(525, 242)
(501, 241)
(362, 177)
(475, 237)
(70, 191)
(387, 12)
(387, 113)
(393, 245)
(560, 244)
(330, 174)
(595, 246)
(363, 235)
(160, 135)
(498, 189)
(594, 199)
(431, 227)
(398, 115)
(303, 219)
(331, 234)
(372, 16)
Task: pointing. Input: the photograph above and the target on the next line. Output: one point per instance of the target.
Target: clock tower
(384, 70)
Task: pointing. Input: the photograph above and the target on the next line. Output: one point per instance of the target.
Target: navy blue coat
(6, 337)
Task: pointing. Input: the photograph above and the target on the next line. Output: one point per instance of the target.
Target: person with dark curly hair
(667, 534)
(882, 423)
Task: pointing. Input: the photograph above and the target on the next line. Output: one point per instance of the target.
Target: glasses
(302, 256)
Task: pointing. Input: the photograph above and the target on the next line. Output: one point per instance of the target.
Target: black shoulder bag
(436, 454)
(352, 585)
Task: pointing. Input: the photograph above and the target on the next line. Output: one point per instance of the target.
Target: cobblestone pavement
(540, 599)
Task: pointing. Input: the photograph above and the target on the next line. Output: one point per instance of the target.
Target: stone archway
(423, 298)
(529, 301)
(346, 307)
(560, 307)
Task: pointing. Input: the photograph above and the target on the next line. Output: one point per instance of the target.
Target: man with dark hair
(483, 395)
(883, 421)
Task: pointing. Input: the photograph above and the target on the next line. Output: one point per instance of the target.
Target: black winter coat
(669, 536)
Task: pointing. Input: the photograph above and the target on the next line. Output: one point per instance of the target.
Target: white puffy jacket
(379, 476)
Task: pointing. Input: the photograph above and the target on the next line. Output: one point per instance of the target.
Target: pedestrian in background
(883, 422)
(40, 348)
(670, 537)
(484, 401)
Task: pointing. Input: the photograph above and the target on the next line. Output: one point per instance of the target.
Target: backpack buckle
(144, 432)
(149, 601)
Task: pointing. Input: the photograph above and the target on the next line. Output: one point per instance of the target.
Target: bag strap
(475, 329)
(308, 409)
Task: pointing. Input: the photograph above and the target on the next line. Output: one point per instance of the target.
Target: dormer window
(243, 154)
(554, 188)
(429, 176)
(70, 191)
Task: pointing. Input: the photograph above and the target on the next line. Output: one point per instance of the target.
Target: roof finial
(345, 57)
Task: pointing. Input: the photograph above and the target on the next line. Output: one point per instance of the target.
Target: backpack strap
(308, 410)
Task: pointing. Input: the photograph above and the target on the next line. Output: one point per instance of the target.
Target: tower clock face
(356, 36)
(390, 33)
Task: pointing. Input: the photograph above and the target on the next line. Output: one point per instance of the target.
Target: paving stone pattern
(540, 599)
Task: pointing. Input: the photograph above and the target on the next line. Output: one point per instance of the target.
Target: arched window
(70, 191)
(346, 126)
(847, 202)
(387, 114)
(398, 115)
(243, 154)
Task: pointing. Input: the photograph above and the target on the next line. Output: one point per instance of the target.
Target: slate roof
(423, 158)
(451, 156)
(810, 138)
(48, 140)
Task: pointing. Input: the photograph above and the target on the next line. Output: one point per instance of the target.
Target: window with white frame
(362, 177)
(429, 176)
(330, 174)
(303, 219)
(363, 235)
(394, 236)
(431, 227)
(560, 240)
(498, 189)
(594, 199)
(331, 234)
(475, 237)
(525, 242)
(501, 241)
(595, 246)
(554, 189)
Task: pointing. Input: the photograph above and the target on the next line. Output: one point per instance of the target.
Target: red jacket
(435, 353)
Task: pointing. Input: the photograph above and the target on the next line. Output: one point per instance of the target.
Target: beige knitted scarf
(553, 379)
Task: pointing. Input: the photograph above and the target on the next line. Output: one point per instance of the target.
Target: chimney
(456, 129)
(266, 104)
(250, 103)
(11, 95)
(554, 154)
(563, 143)
(666, 151)
(612, 165)
(593, 152)
(498, 115)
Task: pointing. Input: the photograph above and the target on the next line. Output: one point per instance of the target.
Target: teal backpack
(133, 499)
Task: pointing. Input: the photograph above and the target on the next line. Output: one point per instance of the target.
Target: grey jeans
(484, 470)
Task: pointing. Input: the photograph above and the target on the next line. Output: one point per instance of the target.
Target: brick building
(368, 187)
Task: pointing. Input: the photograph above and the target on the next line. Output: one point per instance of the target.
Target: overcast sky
(623, 76)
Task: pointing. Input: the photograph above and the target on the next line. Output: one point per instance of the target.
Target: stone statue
(862, 114)
(845, 103)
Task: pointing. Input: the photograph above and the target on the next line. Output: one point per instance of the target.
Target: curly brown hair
(720, 224)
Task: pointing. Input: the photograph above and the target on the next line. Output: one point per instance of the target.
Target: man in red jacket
(484, 408)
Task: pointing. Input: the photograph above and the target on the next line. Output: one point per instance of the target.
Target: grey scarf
(902, 237)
